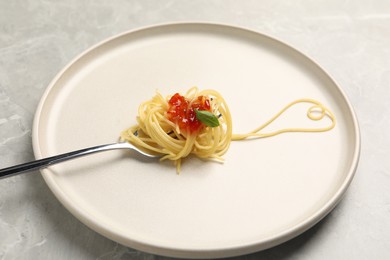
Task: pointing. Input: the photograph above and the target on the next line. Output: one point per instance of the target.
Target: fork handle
(42, 163)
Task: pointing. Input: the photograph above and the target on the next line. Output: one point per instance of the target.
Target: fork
(45, 162)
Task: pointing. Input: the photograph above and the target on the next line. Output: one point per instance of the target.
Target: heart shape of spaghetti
(156, 133)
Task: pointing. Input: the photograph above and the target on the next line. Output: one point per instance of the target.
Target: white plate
(268, 190)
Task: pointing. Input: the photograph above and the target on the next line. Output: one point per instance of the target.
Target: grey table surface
(350, 39)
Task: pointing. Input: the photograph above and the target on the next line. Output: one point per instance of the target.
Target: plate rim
(240, 249)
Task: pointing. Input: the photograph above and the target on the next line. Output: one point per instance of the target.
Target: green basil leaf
(207, 118)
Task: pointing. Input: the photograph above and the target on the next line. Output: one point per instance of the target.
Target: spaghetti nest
(157, 132)
(173, 127)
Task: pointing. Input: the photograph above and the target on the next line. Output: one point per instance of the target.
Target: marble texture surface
(350, 39)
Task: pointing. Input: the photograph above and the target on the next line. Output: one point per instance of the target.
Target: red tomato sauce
(183, 114)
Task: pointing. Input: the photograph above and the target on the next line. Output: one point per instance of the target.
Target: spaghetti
(200, 123)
